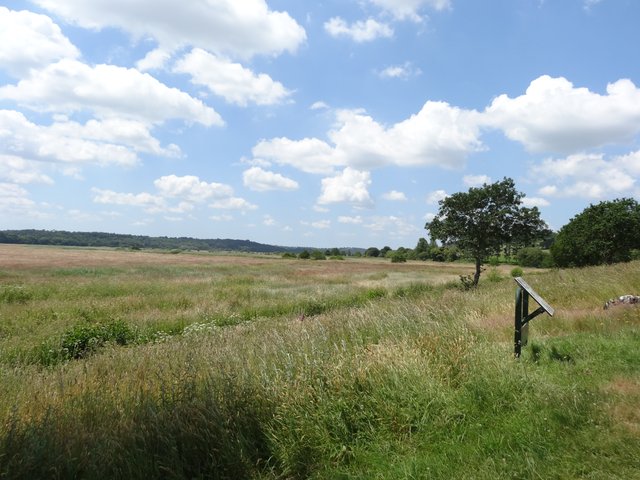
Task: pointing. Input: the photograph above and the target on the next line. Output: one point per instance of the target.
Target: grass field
(117, 364)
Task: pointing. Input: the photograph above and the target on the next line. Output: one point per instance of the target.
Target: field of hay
(117, 364)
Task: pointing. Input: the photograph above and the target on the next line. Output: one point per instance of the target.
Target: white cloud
(394, 196)
(403, 71)
(321, 224)
(153, 60)
(437, 135)
(191, 188)
(393, 226)
(151, 203)
(308, 155)
(261, 180)
(434, 197)
(408, 9)
(350, 220)
(108, 91)
(132, 134)
(429, 217)
(555, 116)
(535, 202)
(30, 40)
(350, 186)
(13, 197)
(223, 26)
(176, 195)
(231, 81)
(268, 221)
(588, 175)
(319, 105)
(221, 218)
(476, 180)
(233, 203)
(361, 31)
(18, 170)
(59, 142)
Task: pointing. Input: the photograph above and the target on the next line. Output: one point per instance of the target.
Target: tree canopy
(485, 220)
(602, 233)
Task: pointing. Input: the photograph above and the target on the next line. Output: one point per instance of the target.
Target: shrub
(534, 257)
(82, 340)
(398, 257)
(304, 255)
(494, 275)
(318, 255)
(14, 294)
(516, 272)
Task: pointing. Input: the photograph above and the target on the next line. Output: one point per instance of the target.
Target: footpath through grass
(416, 382)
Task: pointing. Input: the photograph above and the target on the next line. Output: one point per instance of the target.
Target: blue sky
(330, 123)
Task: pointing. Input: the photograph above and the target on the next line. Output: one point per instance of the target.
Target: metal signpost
(523, 317)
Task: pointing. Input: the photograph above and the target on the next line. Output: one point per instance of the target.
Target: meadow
(119, 364)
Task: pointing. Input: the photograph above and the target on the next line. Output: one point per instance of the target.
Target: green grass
(413, 380)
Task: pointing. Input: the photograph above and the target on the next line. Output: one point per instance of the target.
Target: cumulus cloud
(236, 28)
(231, 81)
(319, 105)
(150, 203)
(309, 155)
(476, 180)
(107, 91)
(261, 180)
(30, 40)
(233, 203)
(403, 71)
(535, 202)
(58, 143)
(434, 197)
(176, 194)
(191, 188)
(589, 175)
(394, 196)
(396, 227)
(555, 116)
(350, 186)
(361, 31)
(439, 135)
(17, 170)
(321, 224)
(14, 200)
(409, 9)
(357, 220)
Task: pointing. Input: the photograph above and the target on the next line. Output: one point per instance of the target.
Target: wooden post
(522, 315)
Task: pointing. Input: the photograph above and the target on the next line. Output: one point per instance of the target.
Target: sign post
(522, 315)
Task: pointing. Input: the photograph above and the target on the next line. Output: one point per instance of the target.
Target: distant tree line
(100, 239)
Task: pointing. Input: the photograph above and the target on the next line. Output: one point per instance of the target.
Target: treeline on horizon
(115, 240)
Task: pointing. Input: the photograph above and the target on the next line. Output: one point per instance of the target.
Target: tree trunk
(476, 276)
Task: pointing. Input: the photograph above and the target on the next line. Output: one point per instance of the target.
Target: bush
(318, 255)
(304, 255)
(516, 272)
(82, 340)
(397, 257)
(494, 275)
(533, 257)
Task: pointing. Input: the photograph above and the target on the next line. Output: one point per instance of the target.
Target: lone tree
(485, 220)
(602, 233)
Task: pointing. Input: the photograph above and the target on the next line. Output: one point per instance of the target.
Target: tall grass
(412, 382)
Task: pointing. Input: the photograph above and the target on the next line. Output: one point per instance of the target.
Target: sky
(332, 123)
